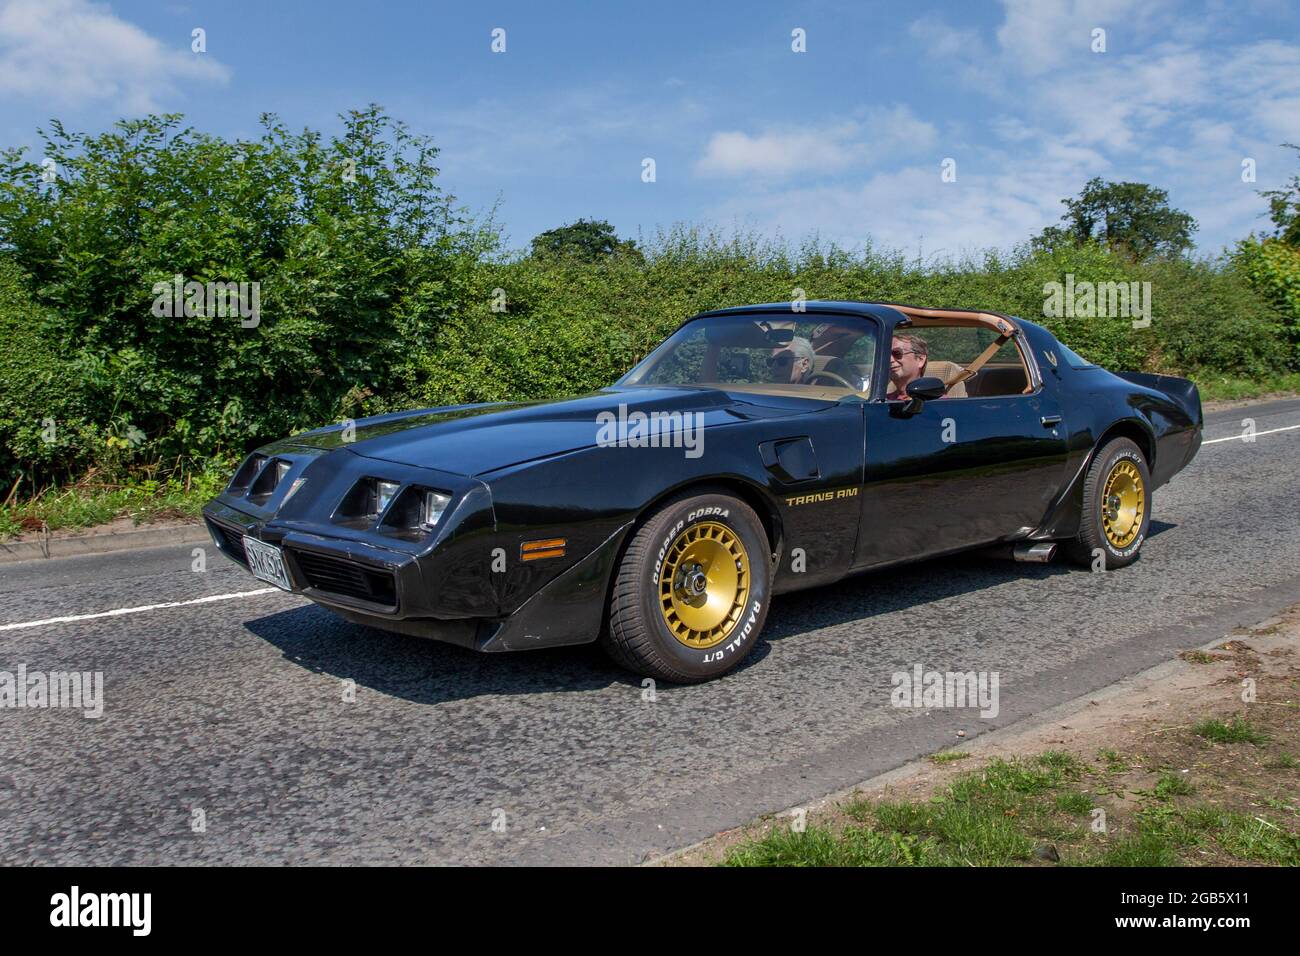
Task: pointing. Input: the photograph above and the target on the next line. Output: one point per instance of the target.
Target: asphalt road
(236, 707)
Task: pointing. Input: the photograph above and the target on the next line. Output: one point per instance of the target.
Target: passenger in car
(792, 363)
(907, 361)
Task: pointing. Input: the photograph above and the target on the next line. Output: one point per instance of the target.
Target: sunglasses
(899, 353)
(785, 358)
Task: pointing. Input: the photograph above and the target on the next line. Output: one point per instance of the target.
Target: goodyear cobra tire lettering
(663, 548)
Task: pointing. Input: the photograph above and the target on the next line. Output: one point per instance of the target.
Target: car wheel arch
(1135, 431)
(1064, 520)
(748, 492)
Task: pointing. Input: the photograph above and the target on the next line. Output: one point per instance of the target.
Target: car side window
(952, 348)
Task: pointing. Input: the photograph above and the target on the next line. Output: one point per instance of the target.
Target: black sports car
(757, 450)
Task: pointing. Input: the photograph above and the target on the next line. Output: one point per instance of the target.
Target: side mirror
(926, 389)
(923, 390)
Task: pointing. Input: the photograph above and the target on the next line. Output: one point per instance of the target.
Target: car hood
(474, 439)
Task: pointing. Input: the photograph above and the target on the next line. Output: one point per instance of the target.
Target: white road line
(118, 612)
(1270, 431)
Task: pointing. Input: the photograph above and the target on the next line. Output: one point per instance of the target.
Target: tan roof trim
(935, 317)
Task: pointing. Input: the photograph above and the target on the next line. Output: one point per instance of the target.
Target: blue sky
(845, 140)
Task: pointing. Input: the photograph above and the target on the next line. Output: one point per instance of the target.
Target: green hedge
(40, 383)
(1272, 268)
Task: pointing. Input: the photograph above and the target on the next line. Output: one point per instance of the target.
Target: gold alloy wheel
(1122, 504)
(704, 584)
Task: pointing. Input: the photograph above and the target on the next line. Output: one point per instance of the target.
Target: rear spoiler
(1182, 391)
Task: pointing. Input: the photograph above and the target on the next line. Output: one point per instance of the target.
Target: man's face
(785, 366)
(904, 364)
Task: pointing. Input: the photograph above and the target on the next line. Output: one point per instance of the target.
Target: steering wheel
(833, 377)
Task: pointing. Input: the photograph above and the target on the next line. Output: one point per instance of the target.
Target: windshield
(772, 353)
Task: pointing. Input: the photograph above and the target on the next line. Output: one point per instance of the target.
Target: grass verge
(85, 506)
(1225, 388)
(1048, 809)
(1189, 789)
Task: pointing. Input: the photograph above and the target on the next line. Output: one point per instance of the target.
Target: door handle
(1050, 421)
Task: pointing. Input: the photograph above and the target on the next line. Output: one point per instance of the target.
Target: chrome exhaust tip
(1040, 552)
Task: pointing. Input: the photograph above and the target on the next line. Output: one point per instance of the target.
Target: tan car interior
(842, 369)
(948, 371)
(980, 377)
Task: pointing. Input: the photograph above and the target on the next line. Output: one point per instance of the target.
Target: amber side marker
(545, 548)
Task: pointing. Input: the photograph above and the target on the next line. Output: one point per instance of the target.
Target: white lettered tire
(691, 594)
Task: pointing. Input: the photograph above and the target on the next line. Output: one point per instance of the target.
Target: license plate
(266, 562)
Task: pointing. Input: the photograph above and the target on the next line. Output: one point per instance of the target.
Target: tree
(1131, 218)
(1284, 207)
(587, 240)
(1271, 264)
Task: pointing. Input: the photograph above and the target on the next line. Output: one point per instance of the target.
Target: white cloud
(998, 201)
(779, 153)
(941, 40)
(1121, 102)
(1261, 84)
(72, 52)
(1178, 108)
(1040, 35)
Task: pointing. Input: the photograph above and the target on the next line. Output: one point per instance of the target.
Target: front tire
(691, 594)
(1116, 508)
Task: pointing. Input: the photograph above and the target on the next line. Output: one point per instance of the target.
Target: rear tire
(691, 594)
(1116, 510)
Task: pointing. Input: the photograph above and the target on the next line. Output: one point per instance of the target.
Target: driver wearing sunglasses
(792, 363)
(907, 360)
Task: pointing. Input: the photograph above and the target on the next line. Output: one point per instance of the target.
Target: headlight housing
(385, 491)
(432, 505)
(267, 479)
(410, 512)
(246, 473)
(415, 513)
(368, 499)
